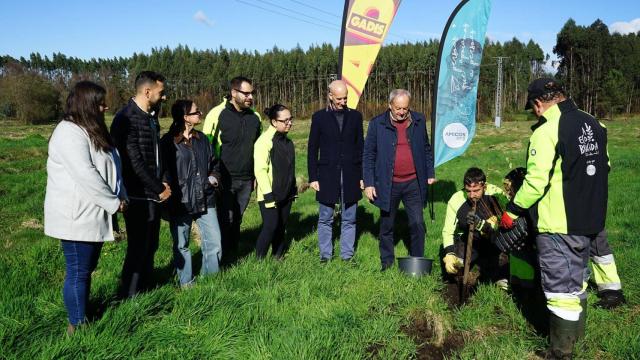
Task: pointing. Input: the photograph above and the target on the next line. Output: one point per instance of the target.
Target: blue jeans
(347, 230)
(81, 259)
(409, 193)
(211, 247)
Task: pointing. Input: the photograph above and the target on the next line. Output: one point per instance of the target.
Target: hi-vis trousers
(563, 261)
(605, 272)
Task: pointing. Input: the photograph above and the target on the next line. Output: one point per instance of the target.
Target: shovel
(464, 288)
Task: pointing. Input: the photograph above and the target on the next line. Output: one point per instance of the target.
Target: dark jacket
(380, 151)
(275, 166)
(187, 168)
(237, 132)
(331, 151)
(137, 136)
(566, 187)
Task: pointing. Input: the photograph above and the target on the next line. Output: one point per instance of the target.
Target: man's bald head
(338, 94)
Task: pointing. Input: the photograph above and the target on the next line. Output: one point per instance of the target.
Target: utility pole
(498, 119)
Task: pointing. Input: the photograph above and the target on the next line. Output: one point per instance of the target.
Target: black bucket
(415, 265)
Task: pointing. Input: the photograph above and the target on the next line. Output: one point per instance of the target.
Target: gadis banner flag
(365, 24)
(457, 73)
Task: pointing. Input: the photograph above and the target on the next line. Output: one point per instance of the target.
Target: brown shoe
(70, 330)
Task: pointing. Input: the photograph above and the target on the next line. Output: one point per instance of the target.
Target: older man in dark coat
(334, 162)
(398, 165)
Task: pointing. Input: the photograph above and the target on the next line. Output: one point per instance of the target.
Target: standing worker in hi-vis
(565, 195)
(233, 127)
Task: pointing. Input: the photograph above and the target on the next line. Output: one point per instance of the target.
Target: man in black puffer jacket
(136, 132)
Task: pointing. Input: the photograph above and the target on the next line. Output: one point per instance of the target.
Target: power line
(285, 15)
(315, 8)
(296, 12)
(333, 26)
(289, 10)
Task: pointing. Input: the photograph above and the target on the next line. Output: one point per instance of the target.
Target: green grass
(295, 309)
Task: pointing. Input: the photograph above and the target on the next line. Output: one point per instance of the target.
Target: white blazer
(81, 187)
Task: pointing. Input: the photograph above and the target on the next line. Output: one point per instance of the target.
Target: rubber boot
(562, 337)
(610, 299)
(582, 320)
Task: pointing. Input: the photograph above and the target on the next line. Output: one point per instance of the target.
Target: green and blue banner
(457, 74)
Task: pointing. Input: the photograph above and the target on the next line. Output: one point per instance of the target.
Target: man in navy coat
(397, 165)
(334, 161)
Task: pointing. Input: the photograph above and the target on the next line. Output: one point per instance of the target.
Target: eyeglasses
(289, 120)
(197, 112)
(246, 93)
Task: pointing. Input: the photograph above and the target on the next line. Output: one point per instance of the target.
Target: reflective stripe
(607, 259)
(606, 275)
(569, 315)
(612, 286)
(574, 295)
(565, 306)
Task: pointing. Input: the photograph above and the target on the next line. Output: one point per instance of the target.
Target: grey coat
(82, 183)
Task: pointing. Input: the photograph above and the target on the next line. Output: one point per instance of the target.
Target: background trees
(600, 69)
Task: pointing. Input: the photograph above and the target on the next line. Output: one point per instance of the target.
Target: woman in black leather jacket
(191, 171)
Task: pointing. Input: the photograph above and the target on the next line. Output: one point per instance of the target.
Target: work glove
(452, 263)
(511, 239)
(477, 223)
(507, 220)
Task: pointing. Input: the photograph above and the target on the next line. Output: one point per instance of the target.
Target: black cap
(540, 87)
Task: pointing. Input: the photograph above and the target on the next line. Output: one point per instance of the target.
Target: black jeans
(409, 193)
(234, 201)
(142, 220)
(274, 223)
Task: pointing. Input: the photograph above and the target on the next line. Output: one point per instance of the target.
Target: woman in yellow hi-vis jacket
(274, 168)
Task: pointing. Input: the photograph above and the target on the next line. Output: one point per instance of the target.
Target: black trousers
(409, 193)
(274, 222)
(232, 204)
(142, 220)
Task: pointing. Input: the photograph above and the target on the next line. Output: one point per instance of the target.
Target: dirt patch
(452, 293)
(433, 337)
(373, 350)
(32, 224)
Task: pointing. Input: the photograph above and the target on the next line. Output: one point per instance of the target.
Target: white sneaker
(503, 284)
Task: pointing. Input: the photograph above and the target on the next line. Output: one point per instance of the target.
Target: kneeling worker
(462, 218)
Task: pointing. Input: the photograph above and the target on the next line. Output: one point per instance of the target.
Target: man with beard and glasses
(233, 127)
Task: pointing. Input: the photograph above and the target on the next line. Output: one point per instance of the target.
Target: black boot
(582, 320)
(610, 299)
(562, 337)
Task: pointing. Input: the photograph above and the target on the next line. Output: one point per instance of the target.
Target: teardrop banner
(365, 25)
(458, 71)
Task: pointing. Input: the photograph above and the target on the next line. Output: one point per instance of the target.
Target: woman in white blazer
(84, 190)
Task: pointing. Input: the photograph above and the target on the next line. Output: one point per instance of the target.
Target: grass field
(297, 308)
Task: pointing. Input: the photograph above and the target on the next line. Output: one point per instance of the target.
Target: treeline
(601, 70)
(299, 77)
